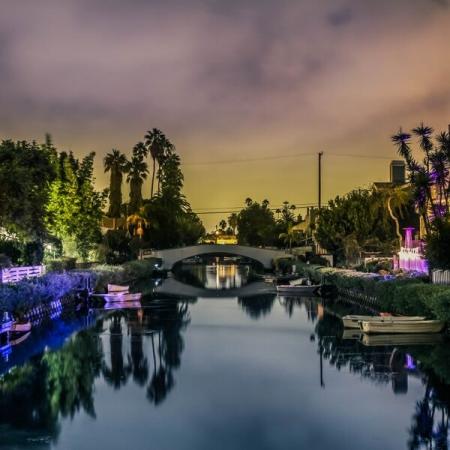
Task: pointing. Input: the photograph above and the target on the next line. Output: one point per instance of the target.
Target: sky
(238, 86)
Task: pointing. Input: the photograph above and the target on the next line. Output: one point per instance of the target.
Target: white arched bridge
(171, 256)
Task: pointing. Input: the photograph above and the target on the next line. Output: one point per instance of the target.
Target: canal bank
(400, 295)
(37, 298)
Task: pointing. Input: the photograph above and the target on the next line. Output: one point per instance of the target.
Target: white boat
(117, 288)
(21, 327)
(122, 297)
(288, 289)
(352, 321)
(123, 305)
(392, 325)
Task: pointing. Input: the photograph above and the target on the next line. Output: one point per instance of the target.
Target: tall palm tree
(116, 163)
(137, 171)
(159, 148)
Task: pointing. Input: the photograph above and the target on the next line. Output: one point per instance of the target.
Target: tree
(171, 220)
(357, 221)
(256, 224)
(159, 148)
(223, 225)
(26, 172)
(74, 209)
(116, 163)
(430, 178)
(290, 236)
(233, 221)
(136, 174)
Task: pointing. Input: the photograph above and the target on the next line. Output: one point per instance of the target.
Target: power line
(240, 209)
(273, 206)
(275, 157)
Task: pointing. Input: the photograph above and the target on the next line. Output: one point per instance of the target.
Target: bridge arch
(264, 256)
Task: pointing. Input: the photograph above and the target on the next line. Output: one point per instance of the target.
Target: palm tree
(159, 148)
(289, 236)
(137, 171)
(248, 201)
(222, 225)
(233, 221)
(116, 163)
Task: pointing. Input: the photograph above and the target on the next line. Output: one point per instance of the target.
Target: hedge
(409, 296)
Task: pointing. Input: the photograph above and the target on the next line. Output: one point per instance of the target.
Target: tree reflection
(117, 373)
(257, 306)
(166, 351)
(53, 384)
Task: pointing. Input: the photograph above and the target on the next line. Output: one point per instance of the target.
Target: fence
(16, 274)
(440, 277)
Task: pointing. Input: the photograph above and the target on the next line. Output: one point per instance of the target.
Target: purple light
(409, 362)
(410, 256)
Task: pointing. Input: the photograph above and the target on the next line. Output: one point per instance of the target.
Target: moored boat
(122, 297)
(123, 305)
(394, 326)
(117, 288)
(21, 327)
(352, 321)
(288, 289)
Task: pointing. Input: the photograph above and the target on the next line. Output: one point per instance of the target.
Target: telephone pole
(320, 154)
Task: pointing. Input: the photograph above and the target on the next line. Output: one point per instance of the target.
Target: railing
(16, 274)
(440, 277)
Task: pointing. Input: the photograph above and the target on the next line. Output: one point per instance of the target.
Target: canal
(257, 372)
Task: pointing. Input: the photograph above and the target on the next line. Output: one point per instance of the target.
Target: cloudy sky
(229, 80)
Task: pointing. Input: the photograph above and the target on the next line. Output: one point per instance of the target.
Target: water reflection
(217, 275)
(144, 348)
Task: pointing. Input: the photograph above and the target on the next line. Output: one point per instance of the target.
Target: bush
(124, 274)
(24, 295)
(60, 265)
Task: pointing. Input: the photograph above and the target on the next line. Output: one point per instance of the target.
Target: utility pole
(320, 154)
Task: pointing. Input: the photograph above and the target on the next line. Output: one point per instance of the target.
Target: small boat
(21, 327)
(381, 340)
(122, 305)
(392, 325)
(122, 297)
(352, 321)
(117, 288)
(306, 290)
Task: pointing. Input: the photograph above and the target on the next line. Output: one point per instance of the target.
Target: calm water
(220, 373)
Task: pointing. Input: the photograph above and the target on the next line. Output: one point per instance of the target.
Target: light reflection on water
(240, 373)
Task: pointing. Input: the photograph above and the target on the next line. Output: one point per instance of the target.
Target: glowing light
(410, 257)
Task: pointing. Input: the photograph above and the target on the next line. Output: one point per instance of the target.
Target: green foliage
(355, 222)
(26, 172)
(437, 248)
(171, 220)
(74, 208)
(124, 274)
(256, 224)
(60, 265)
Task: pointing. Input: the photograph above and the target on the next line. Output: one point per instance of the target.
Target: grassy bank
(20, 297)
(410, 296)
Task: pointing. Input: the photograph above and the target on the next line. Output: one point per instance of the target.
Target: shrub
(60, 265)
(18, 298)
